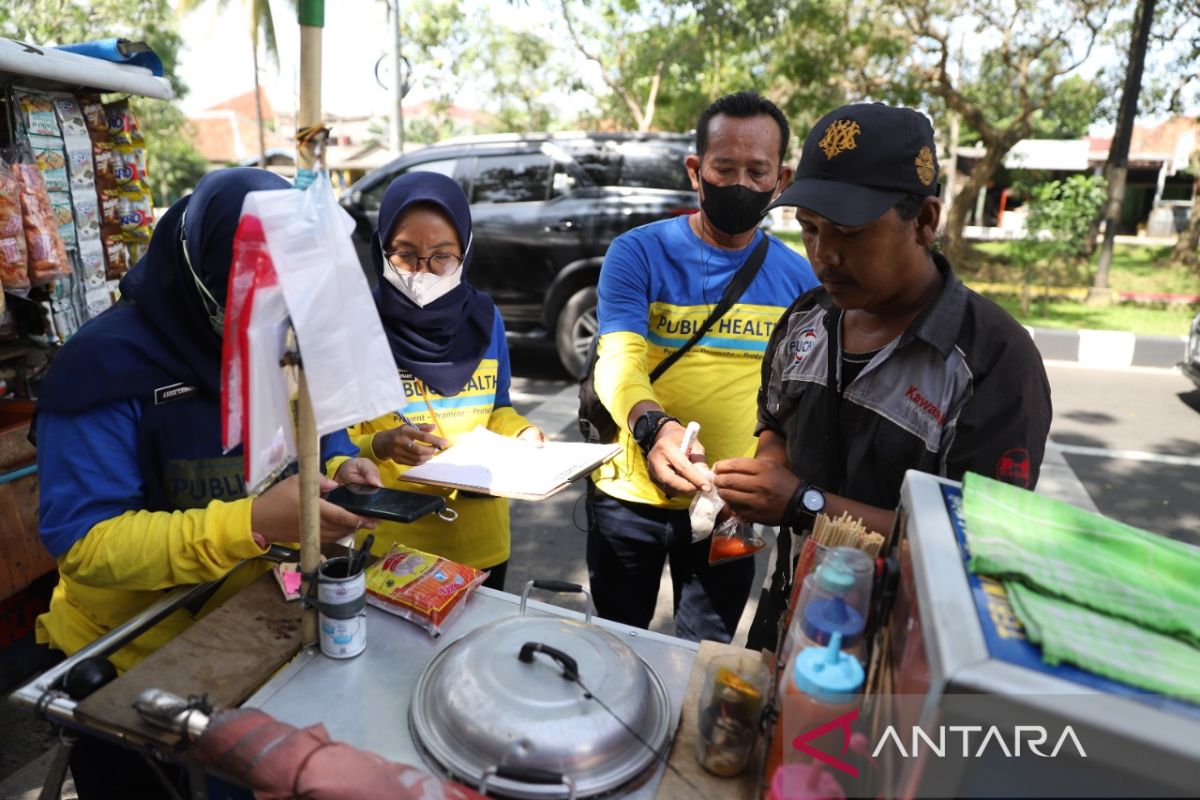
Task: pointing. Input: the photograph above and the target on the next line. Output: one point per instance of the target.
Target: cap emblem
(924, 162)
(839, 137)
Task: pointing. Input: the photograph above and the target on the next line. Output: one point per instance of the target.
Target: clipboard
(500, 466)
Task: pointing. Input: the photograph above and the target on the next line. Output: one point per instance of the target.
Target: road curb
(1109, 349)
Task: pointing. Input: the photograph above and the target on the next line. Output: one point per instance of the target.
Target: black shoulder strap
(738, 285)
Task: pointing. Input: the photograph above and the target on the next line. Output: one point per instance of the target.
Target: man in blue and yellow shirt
(659, 282)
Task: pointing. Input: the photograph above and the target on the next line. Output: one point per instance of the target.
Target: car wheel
(577, 326)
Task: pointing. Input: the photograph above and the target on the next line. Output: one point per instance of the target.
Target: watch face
(813, 500)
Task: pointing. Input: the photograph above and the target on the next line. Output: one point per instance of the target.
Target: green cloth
(1105, 596)
(1082, 557)
(1106, 645)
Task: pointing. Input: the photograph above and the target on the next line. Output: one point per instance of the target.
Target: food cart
(27, 339)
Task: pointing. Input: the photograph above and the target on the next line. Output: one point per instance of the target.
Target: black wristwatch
(647, 426)
(808, 500)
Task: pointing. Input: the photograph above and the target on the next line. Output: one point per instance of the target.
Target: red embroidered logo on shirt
(1013, 467)
(926, 405)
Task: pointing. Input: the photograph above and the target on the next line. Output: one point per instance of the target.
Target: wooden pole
(312, 20)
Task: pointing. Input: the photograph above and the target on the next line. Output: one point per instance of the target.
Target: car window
(511, 179)
(372, 197)
(633, 164)
(563, 182)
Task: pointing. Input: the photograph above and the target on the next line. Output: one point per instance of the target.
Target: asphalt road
(1132, 437)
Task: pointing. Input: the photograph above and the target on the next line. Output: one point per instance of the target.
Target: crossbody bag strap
(738, 285)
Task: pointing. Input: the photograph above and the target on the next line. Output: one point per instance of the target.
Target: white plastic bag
(270, 440)
(348, 364)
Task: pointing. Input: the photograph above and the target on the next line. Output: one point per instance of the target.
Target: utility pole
(398, 79)
(1119, 154)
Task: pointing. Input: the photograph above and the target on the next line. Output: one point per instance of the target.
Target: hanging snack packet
(47, 255)
(424, 589)
(130, 166)
(733, 539)
(94, 115)
(121, 122)
(116, 257)
(14, 263)
(64, 217)
(70, 116)
(37, 113)
(49, 157)
(135, 210)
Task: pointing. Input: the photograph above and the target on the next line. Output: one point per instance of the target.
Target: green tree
(1059, 217)
(174, 165)
(1001, 66)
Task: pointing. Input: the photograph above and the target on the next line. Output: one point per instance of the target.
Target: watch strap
(795, 507)
(650, 435)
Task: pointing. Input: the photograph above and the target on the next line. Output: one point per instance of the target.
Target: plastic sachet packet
(705, 507)
(734, 538)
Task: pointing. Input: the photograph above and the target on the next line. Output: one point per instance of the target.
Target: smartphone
(389, 504)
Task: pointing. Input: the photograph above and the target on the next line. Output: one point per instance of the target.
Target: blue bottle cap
(834, 580)
(828, 675)
(825, 616)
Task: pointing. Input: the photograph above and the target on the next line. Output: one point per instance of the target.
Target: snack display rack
(60, 204)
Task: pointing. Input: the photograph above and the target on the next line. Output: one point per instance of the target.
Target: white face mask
(423, 287)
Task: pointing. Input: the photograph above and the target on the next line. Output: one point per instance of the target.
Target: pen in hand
(408, 422)
(689, 437)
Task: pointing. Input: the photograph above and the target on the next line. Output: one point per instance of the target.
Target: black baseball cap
(860, 160)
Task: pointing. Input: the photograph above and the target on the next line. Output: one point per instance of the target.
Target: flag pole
(308, 117)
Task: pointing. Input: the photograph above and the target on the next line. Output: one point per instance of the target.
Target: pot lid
(506, 696)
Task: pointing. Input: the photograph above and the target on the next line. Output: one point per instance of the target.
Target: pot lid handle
(557, 586)
(534, 775)
(569, 665)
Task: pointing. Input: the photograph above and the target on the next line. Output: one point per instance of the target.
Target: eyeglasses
(438, 263)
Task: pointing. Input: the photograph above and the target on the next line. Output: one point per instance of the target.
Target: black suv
(545, 208)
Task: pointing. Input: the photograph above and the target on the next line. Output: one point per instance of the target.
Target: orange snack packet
(425, 589)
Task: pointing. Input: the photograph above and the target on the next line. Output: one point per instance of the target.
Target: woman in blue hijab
(448, 342)
(136, 493)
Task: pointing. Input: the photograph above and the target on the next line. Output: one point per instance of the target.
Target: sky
(218, 64)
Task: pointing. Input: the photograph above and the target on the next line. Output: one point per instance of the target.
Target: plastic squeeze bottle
(820, 685)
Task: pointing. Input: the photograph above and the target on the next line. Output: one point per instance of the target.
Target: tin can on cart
(341, 609)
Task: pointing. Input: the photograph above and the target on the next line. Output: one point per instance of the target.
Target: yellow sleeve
(151, 550)
(621, 378)
(507, 422)
(361, 436)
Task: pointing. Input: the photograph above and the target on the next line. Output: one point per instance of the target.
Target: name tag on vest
(173, 392)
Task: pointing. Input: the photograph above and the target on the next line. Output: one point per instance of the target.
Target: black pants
(628, 543)
(495, 579)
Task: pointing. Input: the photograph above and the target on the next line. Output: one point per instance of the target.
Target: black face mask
(734, 209)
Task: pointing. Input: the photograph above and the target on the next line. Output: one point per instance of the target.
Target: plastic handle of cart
(569, 665)
(534, 775)
(557, 586)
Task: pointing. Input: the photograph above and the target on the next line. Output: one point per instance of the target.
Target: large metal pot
(541, 707)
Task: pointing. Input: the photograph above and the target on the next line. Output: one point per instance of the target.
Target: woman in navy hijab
(136, 493)
(448, 342)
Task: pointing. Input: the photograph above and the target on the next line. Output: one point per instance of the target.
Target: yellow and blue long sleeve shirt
(658, 284)
(136, 497)
(480, 535)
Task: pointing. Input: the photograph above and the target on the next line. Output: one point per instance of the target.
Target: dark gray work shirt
(963, 388)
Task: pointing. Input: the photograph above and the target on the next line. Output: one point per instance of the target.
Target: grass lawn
(1134, 269)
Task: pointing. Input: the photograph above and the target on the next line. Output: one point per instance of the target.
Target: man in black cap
(891, 363)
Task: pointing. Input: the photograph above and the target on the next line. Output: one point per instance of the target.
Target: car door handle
(562, 225)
